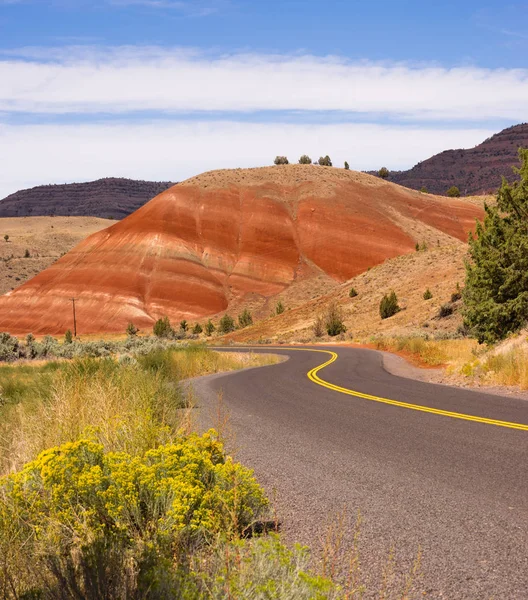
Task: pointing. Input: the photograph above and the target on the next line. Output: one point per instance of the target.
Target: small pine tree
(334, 324)
(389, 305)
(131, 329)
(162, 328)
(424, 190)
(281, 160)
(353, 293)
(427, 295)
(347, 166)
(27, 254)
(209, 328)
(325, 161)
(227, 324)
(496, 290)
(453, 192)
(245, 319)
(184, 325)
(197, 329)
(383, 173)
(68, 337)
(279, 309)
(305, 160)
(6, 237)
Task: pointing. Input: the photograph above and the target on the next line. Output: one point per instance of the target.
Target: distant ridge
(474, 171)
(108, 198)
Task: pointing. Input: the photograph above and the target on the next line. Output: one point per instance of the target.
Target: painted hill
(227, 237)
(109, 198)
(477, 170)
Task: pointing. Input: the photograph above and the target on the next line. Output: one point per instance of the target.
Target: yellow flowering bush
(81, 507)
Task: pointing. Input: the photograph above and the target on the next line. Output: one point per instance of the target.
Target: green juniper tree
(496, 290)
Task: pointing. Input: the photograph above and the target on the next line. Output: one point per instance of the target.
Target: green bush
(445, 311)
(496, 290)
(227, 324)
(347, 166)
(162, 328)
(245, 319)
(383, 173)
(325, 161)
(279, 308)
(334, 324)
(281, 160)
(424, 190)
(27, 254)
(184, 325)
(68, 337)
(353, 293)
(209, 328)
(427, 295)
(389, 305)
(453, 192)
(305, 160)
(197, 329)
(131, 329)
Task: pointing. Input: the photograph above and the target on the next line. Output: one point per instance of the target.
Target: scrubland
(107, 491)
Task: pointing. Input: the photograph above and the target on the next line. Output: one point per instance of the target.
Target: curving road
(429, 466)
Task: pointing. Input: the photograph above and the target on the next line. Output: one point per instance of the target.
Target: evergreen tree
(383, 172)
(305, 160)
(245, 319)
(496, 290)
(389, 305)
(209, 328)
(279, 309)
(453, 192)
(347, 166)
(227, 324)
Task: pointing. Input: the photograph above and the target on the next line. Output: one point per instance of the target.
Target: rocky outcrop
(205, 244)
(477, 170)
(110, 198)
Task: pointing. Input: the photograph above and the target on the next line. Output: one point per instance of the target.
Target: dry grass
(130, 405)
(46, 238)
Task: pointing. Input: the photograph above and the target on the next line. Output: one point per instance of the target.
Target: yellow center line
(314, 377)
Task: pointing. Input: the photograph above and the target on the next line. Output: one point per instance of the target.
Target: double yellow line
(313, 376)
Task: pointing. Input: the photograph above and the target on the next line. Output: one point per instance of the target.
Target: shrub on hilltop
(281, 160)
(453, 192)
(305, 160)
(325, 161)
(383, 173)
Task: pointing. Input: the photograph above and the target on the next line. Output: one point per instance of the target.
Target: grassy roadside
(464, 359)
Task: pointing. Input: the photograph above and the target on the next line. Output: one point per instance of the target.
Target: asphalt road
(454, 488)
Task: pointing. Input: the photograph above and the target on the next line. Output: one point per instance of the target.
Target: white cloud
(174, 150)
(120, 80)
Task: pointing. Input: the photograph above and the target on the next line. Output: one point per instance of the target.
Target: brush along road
(428, 466)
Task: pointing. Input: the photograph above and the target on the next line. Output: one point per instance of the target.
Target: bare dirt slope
(226, 238)
(46, 239)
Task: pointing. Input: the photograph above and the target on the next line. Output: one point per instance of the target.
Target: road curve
(429, 466)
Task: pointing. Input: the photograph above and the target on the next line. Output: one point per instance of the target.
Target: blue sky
(164, 89)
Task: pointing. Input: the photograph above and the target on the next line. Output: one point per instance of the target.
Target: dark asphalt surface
(456, 489)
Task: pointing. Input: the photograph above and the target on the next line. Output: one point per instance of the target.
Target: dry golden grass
(46, 239)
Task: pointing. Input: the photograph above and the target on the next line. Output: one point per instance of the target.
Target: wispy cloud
(194, 8)
(130, 79)
(37, 154)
